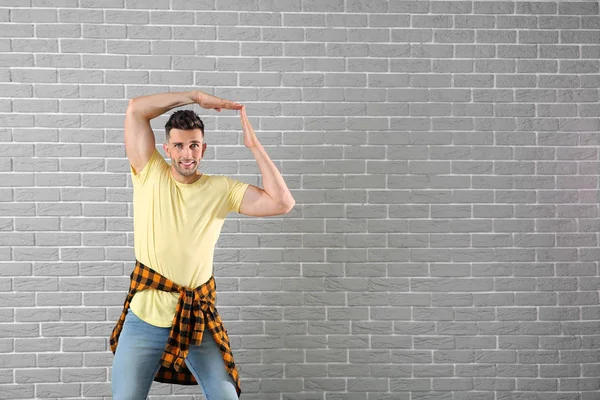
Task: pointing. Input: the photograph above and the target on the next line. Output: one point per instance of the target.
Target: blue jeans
(137, 361)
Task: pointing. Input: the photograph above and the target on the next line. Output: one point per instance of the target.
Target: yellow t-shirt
(175, 228)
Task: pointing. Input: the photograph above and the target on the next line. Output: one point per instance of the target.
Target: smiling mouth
(188, 165)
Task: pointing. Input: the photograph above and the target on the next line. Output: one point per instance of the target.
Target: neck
(185, 179)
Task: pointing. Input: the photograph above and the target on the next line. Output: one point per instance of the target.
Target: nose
(187, 153)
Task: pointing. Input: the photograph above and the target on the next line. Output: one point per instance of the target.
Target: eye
(196, 144)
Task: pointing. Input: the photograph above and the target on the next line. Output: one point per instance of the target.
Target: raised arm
(275, 198)
(139, 137)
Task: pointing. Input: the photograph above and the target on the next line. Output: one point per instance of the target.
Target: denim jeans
(137, 359)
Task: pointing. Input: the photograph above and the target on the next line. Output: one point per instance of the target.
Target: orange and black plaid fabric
(195, 309)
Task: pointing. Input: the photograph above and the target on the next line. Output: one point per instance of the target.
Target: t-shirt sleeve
(152, 167)
(235, 193)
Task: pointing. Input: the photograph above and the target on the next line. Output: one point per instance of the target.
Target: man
(170, 330)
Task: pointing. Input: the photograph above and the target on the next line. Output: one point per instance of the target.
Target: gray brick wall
(443, 155)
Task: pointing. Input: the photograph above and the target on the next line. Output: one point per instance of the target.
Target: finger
(248, 125)
(247, 120)
(231, 105)
(243, 120)
(244, 116)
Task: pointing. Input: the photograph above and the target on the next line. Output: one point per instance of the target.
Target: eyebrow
(193, 141)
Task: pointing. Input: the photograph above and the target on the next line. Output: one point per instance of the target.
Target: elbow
(131, 106)
(136, 110)
(288, 206)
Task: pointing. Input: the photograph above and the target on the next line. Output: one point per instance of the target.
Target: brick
(392, 123)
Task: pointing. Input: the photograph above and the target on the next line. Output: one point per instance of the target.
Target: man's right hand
(212, 102)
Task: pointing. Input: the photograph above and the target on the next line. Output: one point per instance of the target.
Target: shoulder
(154, 168)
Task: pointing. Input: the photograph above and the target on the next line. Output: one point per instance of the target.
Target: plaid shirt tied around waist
(195, 310)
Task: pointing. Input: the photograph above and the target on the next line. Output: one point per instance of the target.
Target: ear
(203, 148)
(166, 148)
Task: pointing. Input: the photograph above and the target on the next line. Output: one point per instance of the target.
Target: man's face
(185, 148)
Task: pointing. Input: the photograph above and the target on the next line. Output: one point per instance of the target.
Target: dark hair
(185, 120)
